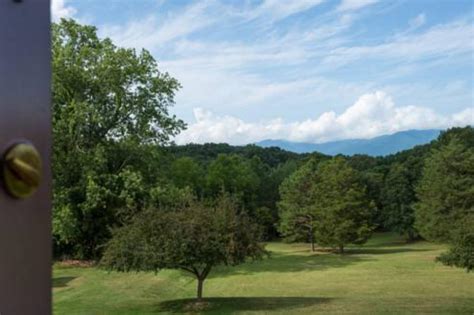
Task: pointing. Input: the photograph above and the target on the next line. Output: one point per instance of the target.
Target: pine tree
(446, 191)
(342, 208)
(398, 196)
(297, 214)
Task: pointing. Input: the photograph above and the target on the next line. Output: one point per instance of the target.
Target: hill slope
(383, 145)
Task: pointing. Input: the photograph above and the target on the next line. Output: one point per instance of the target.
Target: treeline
(114, 164)
(283, 196)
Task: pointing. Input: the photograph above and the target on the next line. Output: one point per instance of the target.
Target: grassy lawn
(385, 276)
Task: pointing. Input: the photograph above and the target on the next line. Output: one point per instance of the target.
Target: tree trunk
(199, 289)
(341, 249)
(311, 238)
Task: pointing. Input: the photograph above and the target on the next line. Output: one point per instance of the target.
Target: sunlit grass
(386, 276)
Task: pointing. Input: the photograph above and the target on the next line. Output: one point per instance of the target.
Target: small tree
(194, 238)
(342, 208)
(461, 253)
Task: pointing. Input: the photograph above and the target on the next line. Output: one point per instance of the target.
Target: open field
(385, 276)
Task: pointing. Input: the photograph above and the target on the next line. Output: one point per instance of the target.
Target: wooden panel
(25, 225)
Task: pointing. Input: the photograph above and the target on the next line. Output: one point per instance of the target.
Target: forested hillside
(390, 181)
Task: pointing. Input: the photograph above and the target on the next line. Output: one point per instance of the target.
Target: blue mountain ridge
(378, 146)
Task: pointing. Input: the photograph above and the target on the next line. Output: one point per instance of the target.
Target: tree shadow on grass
(290, 263)
(391, 240)
(299, 262)
(382, 251)
(233, 304)
(61, 282)
(368, 250)
(390, 243)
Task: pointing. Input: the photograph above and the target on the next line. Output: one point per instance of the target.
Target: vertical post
(25, 98)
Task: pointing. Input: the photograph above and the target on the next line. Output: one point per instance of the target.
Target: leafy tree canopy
(398, 196)
(233, 174)
(186, 172)
(297, 214)
(342, 207)
(445, 211)
(193, 238)
(108, 104)
(446, 191)
(461, 253)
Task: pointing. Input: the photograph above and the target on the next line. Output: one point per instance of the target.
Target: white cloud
(150, 33)
(237, 92)
(230, 71)
(436, 43)
(348, 5)
(280, 9)
(373, 114)
(60, 9)
(466, 117)
(418, 21)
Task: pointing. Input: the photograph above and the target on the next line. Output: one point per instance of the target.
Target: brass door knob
(22, 170)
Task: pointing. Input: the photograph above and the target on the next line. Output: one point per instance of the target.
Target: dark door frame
(25, 98)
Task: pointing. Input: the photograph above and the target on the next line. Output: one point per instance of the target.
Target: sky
(301, 70)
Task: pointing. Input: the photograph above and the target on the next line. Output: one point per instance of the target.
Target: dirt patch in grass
(76, 263)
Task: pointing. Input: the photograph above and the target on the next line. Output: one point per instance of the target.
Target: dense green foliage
(446, 191)
(445, 211)
(342, 207)
(186, 172)
(296, 208)
(328, 201)
(461, 253)
(192, 237)
(398, 196)
(110, 109)
(234, 175)
(205, 153)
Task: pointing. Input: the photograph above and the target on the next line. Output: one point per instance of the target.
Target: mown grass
(385, 276)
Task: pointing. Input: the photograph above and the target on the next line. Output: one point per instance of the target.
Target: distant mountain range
(379, 146)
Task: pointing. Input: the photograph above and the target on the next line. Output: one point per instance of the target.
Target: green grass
(385, 276)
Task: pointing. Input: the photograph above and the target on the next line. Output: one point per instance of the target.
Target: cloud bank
(373, 114)
(60, 9)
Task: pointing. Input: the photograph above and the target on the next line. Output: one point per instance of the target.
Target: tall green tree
(233, 174)
(398, 197)
(446, 191)
(193, 238)
(296, 207)
(109, 104)
(341, 205)
(445, 211)
(186, 172)
(264, 203)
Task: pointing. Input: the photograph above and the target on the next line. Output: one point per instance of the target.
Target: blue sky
(301, 70)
